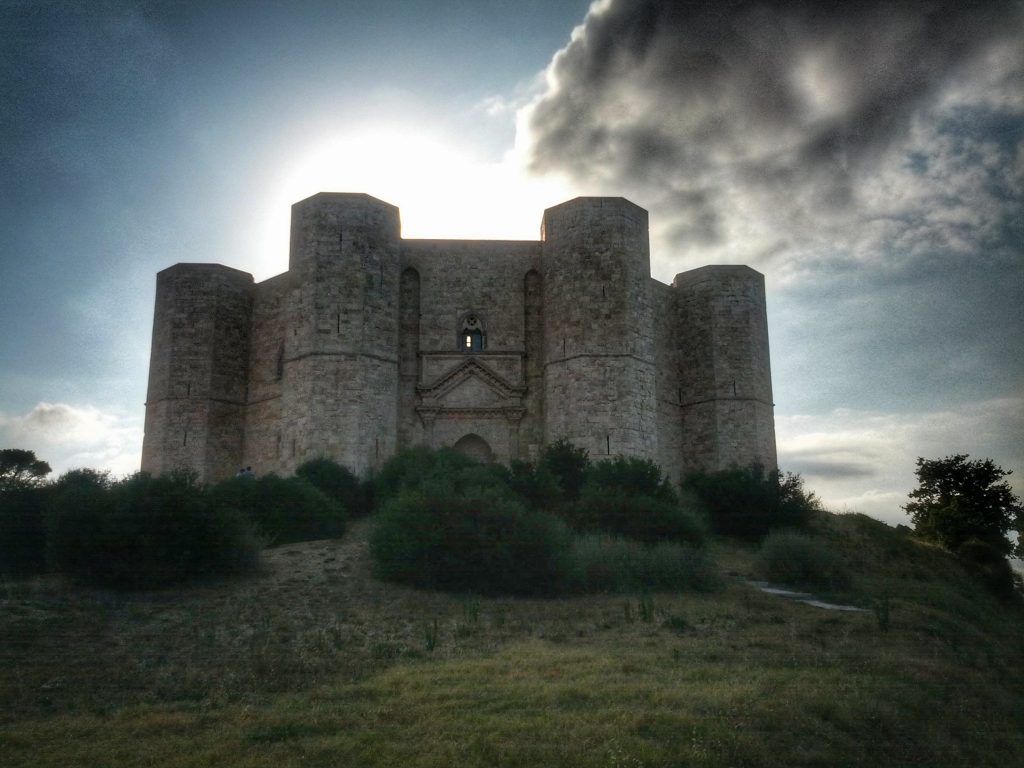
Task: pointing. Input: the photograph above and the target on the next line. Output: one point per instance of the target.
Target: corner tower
(724, 369)
(340, 361)
(599, 369)
(195, 404)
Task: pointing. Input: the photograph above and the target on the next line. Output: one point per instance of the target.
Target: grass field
(315, 662)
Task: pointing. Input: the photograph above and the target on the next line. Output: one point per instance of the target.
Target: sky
(868, 159)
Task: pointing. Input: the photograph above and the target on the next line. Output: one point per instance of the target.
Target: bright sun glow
(441, 191)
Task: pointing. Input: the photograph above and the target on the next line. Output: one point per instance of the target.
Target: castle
(371, 342)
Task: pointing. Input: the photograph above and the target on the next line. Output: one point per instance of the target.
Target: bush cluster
(448, 522)
(283, 510)
(749, 502)
(986, 562)
(641, 518)
(476, 539)
(146, 532)
(22, 532)
(632, 497)
(604, 563)
(410, 468)
(796, 559)
(338, 483)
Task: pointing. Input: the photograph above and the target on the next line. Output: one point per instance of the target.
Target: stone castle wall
(195, 409)
(598, 332)
(359, 349)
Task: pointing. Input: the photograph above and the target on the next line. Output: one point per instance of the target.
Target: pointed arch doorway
(475, 447)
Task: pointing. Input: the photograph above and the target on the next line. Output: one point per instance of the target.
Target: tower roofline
(183, 266)
(714, 270)
(345, 196)
(594, 200)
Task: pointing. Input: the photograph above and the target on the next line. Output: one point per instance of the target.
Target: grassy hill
(316, 663)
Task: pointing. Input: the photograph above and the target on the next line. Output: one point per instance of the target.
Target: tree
(20, 468)
(568, 464)
(958, 500)
(749, 502)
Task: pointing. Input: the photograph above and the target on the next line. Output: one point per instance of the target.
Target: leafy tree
(568, 464)
(748, 502)
(145, 532)
(958, 500)
(20, 468)
(535, 484)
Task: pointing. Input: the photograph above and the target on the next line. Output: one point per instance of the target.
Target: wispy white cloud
(864, 461)
(69, 437)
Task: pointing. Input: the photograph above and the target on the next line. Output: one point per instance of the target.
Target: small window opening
(184, 437)
(471, 337)
(188, 389)
(608, 444)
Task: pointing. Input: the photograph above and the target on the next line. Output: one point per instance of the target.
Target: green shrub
(796, 559)
(749, 502)
(23, 531)
(476, 475)
(147, 532)
(988, 564)
(633, 476)
(603, 563)
(567, 464)
(338, 483)
(535, 485)
(78, 502)
(645, 518)
(411, 467)
(480, 539)
(282, 509)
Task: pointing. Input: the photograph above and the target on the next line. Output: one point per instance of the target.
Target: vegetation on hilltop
(314, 661)
(652, 652)
(958, 501)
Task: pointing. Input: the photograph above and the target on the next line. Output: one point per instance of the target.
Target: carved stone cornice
(430, 413)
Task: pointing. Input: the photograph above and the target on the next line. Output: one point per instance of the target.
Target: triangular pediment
(471, 392)
(471, 384)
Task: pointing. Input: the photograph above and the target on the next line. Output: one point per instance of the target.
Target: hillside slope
(315, 662)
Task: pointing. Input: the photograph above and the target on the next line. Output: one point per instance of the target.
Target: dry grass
(316, 663)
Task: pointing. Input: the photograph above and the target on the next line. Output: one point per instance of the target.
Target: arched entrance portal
(475, 447)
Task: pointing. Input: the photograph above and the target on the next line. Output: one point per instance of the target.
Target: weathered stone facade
(370, 342)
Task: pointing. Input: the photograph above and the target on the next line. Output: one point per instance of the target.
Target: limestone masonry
(371, 342)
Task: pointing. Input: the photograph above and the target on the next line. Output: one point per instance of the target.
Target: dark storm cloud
(868, 157)
(795, 100)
